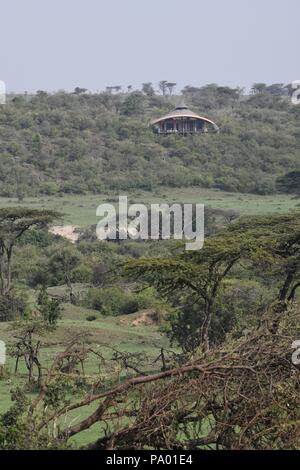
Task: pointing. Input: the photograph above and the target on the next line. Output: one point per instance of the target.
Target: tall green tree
(148, 89)
(270, 246)
(66, 260)
(14, 222)
(278, 243)
(289, 183)
(163, 86)
(198, 276)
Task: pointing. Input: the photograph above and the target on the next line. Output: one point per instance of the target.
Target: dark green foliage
(14, 223)
(109, 301)
(289, 183)
(41, 238)
(239, 308)
(116, 301)
(17, 431)
(12, 307)
(13, 430)
(50, 309)
(91, 318)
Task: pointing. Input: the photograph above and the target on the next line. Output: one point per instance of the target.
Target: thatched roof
(182, 111)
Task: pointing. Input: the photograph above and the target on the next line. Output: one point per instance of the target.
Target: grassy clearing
(104, 333)
(81, 210)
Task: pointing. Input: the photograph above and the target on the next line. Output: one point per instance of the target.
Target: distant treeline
(87, 143)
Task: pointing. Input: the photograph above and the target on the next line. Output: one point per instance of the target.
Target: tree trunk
(9, 260)
(71, 293)
(293, 292)
(283, 295)
(206, 326)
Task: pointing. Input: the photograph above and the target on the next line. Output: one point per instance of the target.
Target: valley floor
(81, 210)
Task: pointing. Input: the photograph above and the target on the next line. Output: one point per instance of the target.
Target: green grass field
(103, 334)
(81, 210)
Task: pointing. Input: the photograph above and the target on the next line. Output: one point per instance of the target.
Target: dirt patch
(70, 232)
(141, 318)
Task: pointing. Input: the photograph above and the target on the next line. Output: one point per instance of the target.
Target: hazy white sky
(60, 44)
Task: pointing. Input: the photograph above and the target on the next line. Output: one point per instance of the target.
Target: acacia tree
(28, 348)
(171, 86)
(270, 246)
(198, 276)
(148, 89)
(259, 88)
(278, 239)
(14, 222)
(163, 86)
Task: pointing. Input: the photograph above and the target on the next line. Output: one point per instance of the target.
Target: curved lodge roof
(183, 111)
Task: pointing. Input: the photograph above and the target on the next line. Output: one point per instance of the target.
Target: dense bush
(83, 143)
(117, 301)
(239, 307)
(12, 307)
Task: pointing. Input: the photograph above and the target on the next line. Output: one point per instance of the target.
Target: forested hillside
(87, 143)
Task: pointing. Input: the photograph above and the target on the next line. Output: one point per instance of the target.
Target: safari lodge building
(183, 121)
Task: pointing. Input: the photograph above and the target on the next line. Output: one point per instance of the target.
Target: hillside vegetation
(80, 143)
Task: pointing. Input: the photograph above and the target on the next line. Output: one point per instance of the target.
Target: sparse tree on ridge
(171, 86)
(79, 91)
(258, 88)
(163, 86)
(147, 89)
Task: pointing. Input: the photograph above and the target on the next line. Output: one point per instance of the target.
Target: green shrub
(91, 318)
(12, 307)
(50, 309)
(111, 301)
(129, 306)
